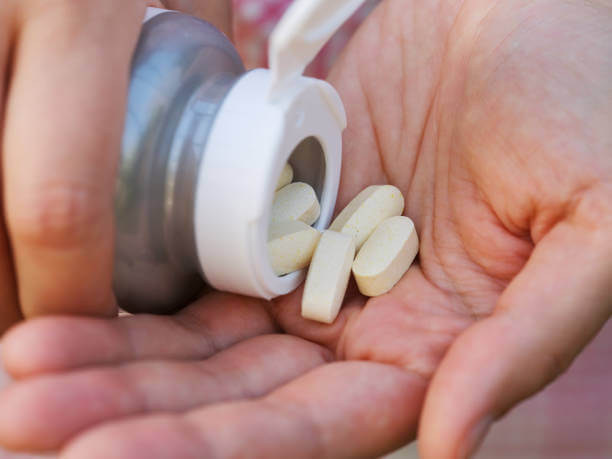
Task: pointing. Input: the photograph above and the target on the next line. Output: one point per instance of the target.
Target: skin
(493, 118)
(58, 174)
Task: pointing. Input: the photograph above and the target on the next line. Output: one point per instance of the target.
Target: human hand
(64, 68)
(494, 121)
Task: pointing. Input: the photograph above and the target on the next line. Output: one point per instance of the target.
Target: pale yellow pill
(367, 210)
(296, 201)
(291, 245)
(286, 177)
(386, 256)
(328, 277)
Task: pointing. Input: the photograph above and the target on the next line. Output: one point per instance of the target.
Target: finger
(213, 323)
(34, 417)
(217, 12)
(552, 309)
(349, 409)
(68, 87)
(9, 307)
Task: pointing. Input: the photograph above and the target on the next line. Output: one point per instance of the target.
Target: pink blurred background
(572, 418)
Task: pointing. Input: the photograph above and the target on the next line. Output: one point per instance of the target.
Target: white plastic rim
(249, 144)
(152, 12)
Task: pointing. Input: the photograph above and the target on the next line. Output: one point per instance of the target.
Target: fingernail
(475, 437)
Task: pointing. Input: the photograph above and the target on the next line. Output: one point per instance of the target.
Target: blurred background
(572, 418)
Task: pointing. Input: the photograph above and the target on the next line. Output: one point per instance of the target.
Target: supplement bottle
(203, 147)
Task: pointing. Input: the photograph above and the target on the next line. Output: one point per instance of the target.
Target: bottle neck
(181, 70)
(185, 156)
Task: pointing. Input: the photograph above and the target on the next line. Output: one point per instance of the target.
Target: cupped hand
(494, 119)
(64, 69)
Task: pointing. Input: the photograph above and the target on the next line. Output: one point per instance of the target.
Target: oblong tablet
(296, 201)
(291, 245)
(286, 177)
(328, 277)
(367, 210)
(386, 256)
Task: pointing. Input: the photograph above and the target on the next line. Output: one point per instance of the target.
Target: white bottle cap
(268, 118)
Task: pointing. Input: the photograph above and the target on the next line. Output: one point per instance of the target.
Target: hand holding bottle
(64, 67)
(64, 70)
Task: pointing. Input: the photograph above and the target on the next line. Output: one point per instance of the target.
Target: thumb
(549, 312)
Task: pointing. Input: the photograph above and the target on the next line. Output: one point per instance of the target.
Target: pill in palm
(286, 177)
(386, 256)
(367, 210)
(296, 201)
(291, 245)
(328, 277)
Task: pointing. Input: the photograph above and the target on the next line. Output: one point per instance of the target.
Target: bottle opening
(308, 166)
(308, 163)
(239, 176)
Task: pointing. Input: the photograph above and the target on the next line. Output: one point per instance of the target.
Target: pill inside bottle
(295, 223)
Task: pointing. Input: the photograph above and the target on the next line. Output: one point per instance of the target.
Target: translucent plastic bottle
(203, 147)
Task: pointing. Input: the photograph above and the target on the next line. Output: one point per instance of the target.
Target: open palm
(494, 120)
